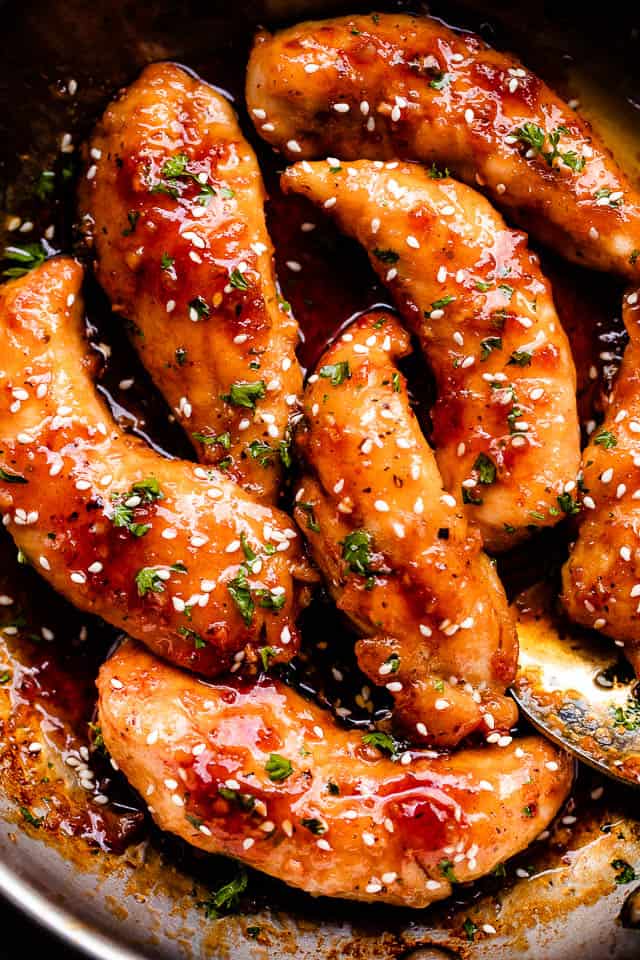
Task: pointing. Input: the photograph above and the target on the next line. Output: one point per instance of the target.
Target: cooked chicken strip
(505, 425)
(174, 200)
(258, 773)
(601, 579)
(397, 552)
(181, 557)
(390, 85)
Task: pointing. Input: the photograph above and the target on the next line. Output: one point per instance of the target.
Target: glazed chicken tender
(173, 201)
(258, 773)
(397, 552)
(505, 424)
(181, 557)
(389, 85)
(601, 579)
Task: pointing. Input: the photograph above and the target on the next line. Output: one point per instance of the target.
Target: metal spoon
(576, 689)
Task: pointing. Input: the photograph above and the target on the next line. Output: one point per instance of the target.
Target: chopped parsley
(278, 768)
(148, 579)
(568, 505)
(446, 869)
(381, 741)
(245, 394)
(270, 599)
(520, 358)
(200, 308)
(534, 137)
(265, 654)
(45, 184)
(333, 789)
(175, 167)
(439, 305)
(633, 259)
(394, 662)
(440, 81)
(27, 257)
(386, 256)
(626, 873)
(206, 191)
(484, 285)
(12, 477)
(243, 800)
(356, 550)
(312, 523)
(241, 595)
(181, 356)
(209, 440)
(436, 174)
(262, 452)
(238, 280)
(488, 345)
(485, 468)
(144, 491)
(469, 496)
(31, 818)
(606, 439)
(605, 194)
(315, 826)
(337, 373)
(132, 216)
(166, 262)
(226, 898)
(628, 716)
(469, 928)
(190, 634)
(395, 381)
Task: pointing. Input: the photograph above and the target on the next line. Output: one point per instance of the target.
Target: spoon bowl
(575, 687)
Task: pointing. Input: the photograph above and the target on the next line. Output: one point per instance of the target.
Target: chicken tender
(180, 556)
(173, 201)
(385, 86)
(601, 579)
(258, 773)
(505, 424)
(398, 554)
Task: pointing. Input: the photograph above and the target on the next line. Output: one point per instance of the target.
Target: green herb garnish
(278, 768)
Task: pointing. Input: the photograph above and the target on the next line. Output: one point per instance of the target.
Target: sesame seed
(311, 67)
(593, 233)
(413, 242)
(247, 843)
(78, 577)
(116, 684)
(421, 728)
(341, 107)
(293, 146)
(551, 765)
(469, 115)
(394, 687)
(368, 839)
(330, 202)
(589, 503)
